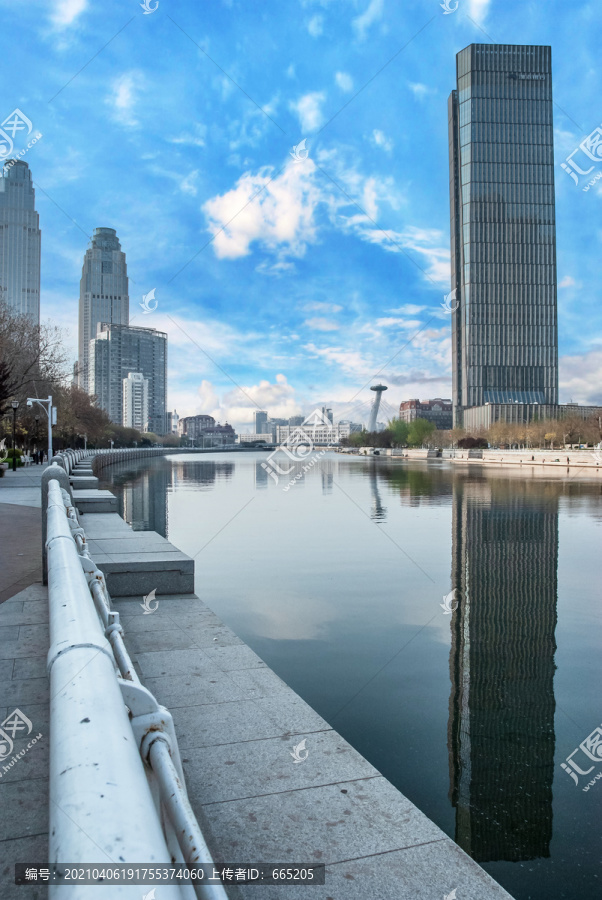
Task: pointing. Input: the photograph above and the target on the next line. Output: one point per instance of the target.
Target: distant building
(250, 438)
(103, 297)
(260, 421)
(437, 411)
(192, 427)
(135, 401)
(219, 436)
(118, 350)
(172, 423)
(296, 420)
(20, 241)
(325, 435)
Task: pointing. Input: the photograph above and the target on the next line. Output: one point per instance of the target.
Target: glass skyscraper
(503, 233)
(118, 350)
(20, 241)
(103, 294)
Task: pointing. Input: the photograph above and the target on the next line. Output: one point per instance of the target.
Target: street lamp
(50, 411)
(15, 406)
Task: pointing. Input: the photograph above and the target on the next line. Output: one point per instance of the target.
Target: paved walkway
(20, 530)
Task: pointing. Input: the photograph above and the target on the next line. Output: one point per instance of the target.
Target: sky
(278, 174)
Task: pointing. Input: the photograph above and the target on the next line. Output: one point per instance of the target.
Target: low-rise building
(438, 411)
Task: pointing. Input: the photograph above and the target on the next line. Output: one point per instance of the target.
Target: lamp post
(50, 411)
(37, 419)
(15, 406)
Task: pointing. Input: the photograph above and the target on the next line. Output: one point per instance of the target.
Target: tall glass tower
(20, 240)
(503, 232)
(103, 294)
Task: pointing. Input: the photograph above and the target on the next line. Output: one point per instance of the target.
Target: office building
(118, 350)
(20, 241)
(172, 422)
(503, 231)
(260, 421)
(135, 401)
(103, 297)
(438, 411)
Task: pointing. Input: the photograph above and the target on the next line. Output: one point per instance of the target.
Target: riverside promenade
(237, 725)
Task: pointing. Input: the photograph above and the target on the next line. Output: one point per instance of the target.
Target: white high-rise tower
(20, 240)
(103, 294)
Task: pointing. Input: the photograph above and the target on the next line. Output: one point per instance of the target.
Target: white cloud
(379, 139)
(194, 140)
(580, 378)
(321, 324)
(350, 361)
(315, 26)
(408, 309)
(477, 10)
(420, 90)
(567, 281)
(309, 112)
(65, 12)
(390, 322)
(344, 81)
(316, 306)
(276, 212)
(123, 97)
(290, 72)
(371, 14)
(189, 184)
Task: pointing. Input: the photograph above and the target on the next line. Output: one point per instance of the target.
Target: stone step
(83, 482)
(136, 562)
(93, 501)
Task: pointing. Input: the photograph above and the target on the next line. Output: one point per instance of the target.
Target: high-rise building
(135, 401)
(438, 411)
(503, 233)
(260, 421)
(118, 350)
(20, 241)
(103, 296)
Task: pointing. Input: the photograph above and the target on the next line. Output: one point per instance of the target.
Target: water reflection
(501, 723)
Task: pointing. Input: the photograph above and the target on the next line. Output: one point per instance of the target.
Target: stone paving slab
(94, 501)
(24, 781)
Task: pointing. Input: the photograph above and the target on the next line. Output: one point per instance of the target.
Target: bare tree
(32, 357)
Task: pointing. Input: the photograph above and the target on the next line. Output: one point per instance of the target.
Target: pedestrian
(567, 460)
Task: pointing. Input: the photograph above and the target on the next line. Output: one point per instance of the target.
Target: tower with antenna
(378, 391)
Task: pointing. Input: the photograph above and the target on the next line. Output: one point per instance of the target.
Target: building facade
(438, 411)
(118, 350)
(103, 295)
(20, 241)
(192, 427)
(503, 231)
(135, 401)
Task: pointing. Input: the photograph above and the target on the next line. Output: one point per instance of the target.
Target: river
(444, 619)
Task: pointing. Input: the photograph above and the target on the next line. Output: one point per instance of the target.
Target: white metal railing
(116, 780)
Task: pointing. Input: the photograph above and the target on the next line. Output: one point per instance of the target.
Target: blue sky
(332, 268)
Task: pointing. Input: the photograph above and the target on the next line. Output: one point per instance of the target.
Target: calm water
(337, 584)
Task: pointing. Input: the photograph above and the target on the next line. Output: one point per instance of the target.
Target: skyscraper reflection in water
(501, 721)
